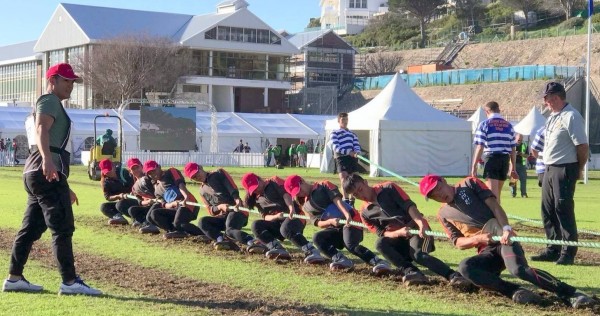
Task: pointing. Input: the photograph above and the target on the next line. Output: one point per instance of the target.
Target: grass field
(145, 275)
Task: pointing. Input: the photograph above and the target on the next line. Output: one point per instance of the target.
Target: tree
(380, 63)
(122, 68)
(569, 5)
(469, 10)
(524, 5)
(423, 10)
(314, 22)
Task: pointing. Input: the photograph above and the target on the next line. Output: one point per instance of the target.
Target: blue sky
(24, 20)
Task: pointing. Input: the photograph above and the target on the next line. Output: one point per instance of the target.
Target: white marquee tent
(406, 135)
(533, 121)
(476, 119)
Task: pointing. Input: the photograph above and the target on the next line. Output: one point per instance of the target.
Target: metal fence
(466, 76)
(205, 159)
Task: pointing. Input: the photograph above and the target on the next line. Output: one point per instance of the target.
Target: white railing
(205, 159)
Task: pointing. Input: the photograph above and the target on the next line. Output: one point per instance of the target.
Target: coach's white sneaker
(21, 285)
(78, 287)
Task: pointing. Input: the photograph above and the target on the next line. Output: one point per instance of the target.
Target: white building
(348, 17)
(243, 64)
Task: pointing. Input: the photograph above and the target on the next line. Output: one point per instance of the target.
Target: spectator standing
(246, 148)
(537, 147)
(522, 152)
(345, 149)
(566, 151)
(301, 150)
(495, 140)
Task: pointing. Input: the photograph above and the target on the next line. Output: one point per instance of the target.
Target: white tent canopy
(408, 136)
(230, 129)
(533, 121)
(477, 117)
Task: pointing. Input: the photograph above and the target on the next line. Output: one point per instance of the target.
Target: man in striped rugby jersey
(495, 139)
(345, 149)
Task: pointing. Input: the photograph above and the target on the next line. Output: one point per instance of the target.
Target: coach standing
(565, 155)
(495, 139)
(49, 197)
(345, 149)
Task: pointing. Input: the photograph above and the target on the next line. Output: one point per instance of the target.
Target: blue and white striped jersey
(496, 135)
(344, 141)
(538, 145)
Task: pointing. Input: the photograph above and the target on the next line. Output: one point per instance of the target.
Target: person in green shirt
(268, 154)
(301, 149)
(277, 154)
(293, 154)
(521, 166)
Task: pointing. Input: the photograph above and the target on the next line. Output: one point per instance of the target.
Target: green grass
(352, 293)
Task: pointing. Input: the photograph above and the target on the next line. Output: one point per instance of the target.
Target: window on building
(237, 34)
(250, 35)
(223, 33)
(211, 34)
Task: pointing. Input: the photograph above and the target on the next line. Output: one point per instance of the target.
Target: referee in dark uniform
(495, 139)
(49, 197)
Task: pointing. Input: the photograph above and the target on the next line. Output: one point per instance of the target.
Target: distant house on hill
(349, 17)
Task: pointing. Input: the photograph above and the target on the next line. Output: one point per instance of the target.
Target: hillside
(515, 98)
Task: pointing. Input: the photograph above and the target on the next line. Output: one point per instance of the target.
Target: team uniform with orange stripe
(219, 188)
(319, 205)
(389, 212)
(174, 219)
(467, 216)
(272, 202)
(111, 187)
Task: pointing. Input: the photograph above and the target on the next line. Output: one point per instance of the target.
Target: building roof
(100, 23)
(305, 38)
(21, 51)
(74, 25)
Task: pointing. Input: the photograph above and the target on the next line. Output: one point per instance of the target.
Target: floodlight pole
(588, 84)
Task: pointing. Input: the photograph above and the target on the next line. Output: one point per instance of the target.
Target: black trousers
(171, 219)
(231, 224)
(291, 229)
(124, 205)
(484, 270)
(522, 172)
(558, 205)
(48, 206)
(330, 240)
(139, 213)
(109, 209)
(401, 252)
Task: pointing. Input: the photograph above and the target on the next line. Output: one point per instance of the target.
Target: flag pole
(587, 81)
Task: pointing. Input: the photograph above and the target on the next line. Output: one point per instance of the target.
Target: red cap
(133, 162)
(150, 165)
(428, 183)
(64, 70)
(105, 166)
(250, 182)
(292, 185)
(190, 169)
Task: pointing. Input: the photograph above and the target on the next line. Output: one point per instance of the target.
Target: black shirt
(392, 211)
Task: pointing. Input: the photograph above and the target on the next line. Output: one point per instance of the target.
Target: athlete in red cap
(273, 204)
(390, 213)
(471, 216)
(143, 189)
(174, 215)
(115, 190)
(222, 200)
(322, 201)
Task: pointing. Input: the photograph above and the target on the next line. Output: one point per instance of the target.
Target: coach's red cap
(250, 182)
(190, 169)
(64, 70)
(132, 162)
(428, 183)
(105, 166)
(150, 165)
(292, 185)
